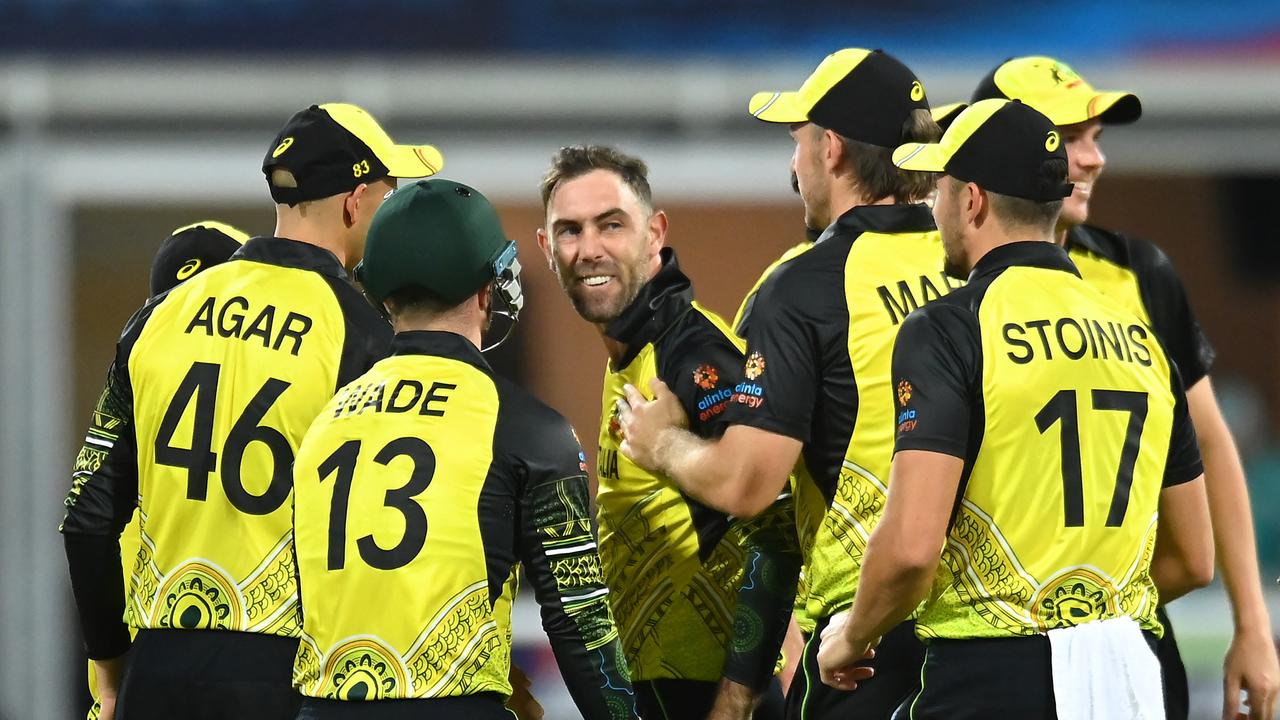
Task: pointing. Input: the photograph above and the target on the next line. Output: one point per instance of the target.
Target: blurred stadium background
(122, 119)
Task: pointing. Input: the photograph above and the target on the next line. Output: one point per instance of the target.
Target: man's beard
(592, 311)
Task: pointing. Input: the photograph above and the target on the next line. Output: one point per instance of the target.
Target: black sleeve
(1170, 311)
(936, 365)
(558, 550)
(367, 337)
(766, 597)
(102, 499)
(779, 380)
(700, 366)
(1184, 463)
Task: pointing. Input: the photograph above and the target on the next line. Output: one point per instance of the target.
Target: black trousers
(897, 677)
(987, 678)
(482, 706)
(674, 699)
(1177, 696)
(209, 675)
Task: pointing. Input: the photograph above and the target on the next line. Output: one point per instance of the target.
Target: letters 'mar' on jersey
(673, 565)
(212, 388)
(419, 488)
(1070, 420)
(819, 343)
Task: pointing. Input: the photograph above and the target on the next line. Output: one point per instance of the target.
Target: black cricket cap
(864, 95)
(332, 148)
(191, 249)
(1000, 145)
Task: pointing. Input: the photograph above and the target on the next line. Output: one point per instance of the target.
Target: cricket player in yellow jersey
(185, 252)
(1041, 433)
(1139, 276)
(422, 486)
(819, 339)
(212, 387)
(673, 566)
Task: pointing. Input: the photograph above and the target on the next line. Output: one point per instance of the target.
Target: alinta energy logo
(904, 392)
(754, 366)
(706, 376)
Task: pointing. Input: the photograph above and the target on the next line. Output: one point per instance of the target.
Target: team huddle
(950, 459)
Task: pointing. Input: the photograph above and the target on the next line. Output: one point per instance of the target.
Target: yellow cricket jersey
(212, 388)
(817, 369)
(1137, 276)
(418, 490)
(1070, 419)
(673, 566)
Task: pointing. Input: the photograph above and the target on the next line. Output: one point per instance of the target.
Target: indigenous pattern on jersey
(672, 573)
(1139, 276)
(211, 390)
(817, 369)
(1070, 420)
(418, 489)
(777, 557)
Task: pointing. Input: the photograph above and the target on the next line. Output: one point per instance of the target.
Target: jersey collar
(1079, 236)
(440, 344)
(902, 218)
(1025, 254)
(291, 253)
(662, 301)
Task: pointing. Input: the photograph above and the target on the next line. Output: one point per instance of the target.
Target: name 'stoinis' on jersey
(1084, 412)
(1073, 338)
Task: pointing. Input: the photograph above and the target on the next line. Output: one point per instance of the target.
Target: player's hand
(643, 422)
(522, 702)
(109, 674)
(1251, 665)
(838, 654)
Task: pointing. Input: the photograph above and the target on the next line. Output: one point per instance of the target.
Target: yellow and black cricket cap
(945, 114)
(332, 148)
(1053, 88)
(1003, 146)
(438, 236)
(191, 249)
(865, 95)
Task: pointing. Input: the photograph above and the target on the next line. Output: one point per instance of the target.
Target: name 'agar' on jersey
(228, 319)
(404, 396)
(1076, 338)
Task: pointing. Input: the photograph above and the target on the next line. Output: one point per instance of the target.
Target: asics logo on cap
(284, 145)
(917, 91)
(1052, 140)
(189, 268)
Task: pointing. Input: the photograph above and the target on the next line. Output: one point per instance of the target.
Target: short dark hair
(877, 176)
(1032, 214)
(417, 300)
(577, 160)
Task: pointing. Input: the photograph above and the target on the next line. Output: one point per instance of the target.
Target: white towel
(1105, 670)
